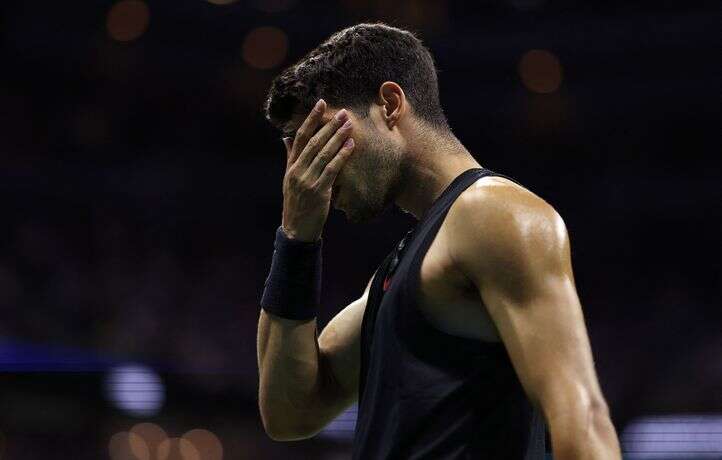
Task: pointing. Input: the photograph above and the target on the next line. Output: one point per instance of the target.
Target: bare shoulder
(494, 195)
(505, 222)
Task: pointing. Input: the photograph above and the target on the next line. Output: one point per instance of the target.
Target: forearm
(583, 433)
(291, 377)
(288, 369)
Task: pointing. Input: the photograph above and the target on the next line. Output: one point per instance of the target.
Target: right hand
(313, 162)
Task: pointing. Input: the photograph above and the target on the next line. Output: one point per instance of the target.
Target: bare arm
(298, 390)
(306, 381)
(515, 248)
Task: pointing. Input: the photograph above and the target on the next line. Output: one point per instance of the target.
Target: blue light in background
(673, 437)
(342, 427)
(136, 389)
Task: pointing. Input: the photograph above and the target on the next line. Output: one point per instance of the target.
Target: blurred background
(140, 188)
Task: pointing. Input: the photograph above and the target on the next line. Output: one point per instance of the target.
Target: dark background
(140, 187)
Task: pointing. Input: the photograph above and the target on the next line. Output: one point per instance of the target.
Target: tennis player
(469, 341)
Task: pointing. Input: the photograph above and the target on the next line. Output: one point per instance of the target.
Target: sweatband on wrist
(293, 287)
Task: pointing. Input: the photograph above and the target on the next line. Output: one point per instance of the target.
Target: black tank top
(426, 394)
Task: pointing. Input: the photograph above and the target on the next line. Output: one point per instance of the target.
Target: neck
(432, 164)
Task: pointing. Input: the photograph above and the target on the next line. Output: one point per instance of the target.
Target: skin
(369, 181)
(502, 258)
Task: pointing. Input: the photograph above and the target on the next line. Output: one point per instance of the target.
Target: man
(469, 341)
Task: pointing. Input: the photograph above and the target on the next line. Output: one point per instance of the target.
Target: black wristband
(293, 287)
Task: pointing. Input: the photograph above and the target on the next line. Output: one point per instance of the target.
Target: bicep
(521, 266)
(340, 349)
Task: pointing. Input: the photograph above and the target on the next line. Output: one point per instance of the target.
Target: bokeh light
(128, 20)
(540, 71)
(125, 446)
(342, 427)
(665, 436)
(178, 449)
(222, 2)
(206, 443)
(152, 436)
(136, 389)
(265, 47)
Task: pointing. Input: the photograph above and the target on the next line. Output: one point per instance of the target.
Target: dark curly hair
(347, 70)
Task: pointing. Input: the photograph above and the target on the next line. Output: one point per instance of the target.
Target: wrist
(293, 287)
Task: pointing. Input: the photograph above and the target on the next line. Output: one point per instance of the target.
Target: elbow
(603, 432)
(288, 418)
(600, 421)
(585, 431)
(283, 434)
(601, 436)
(272, 430)
(280, 435)
(282, 429)
(277, 432)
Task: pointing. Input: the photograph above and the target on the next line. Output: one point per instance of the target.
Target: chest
(447, 298)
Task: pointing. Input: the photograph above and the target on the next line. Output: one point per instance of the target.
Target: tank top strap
(420, 330)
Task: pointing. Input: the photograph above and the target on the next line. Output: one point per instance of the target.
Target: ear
(393, 102)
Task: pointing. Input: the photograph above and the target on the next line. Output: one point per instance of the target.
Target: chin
(359, 208)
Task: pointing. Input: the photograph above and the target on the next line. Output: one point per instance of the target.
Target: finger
(307, 128)
(319, 140)
(329, 151)
(332, 169)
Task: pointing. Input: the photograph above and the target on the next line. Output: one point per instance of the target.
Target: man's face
(371, 176)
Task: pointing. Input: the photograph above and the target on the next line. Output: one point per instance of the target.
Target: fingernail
(349, 143)
(341, 115)
(318, 105)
